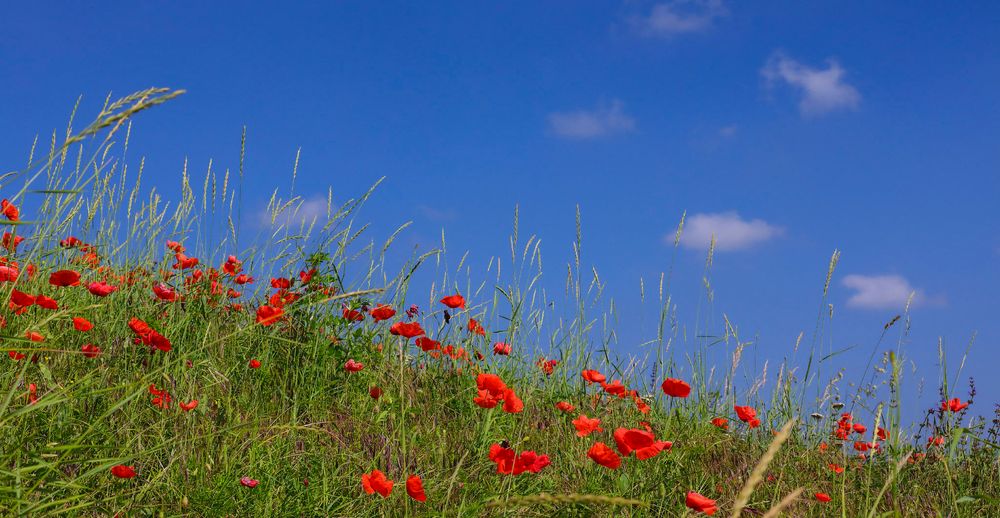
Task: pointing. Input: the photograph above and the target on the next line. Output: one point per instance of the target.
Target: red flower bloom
(82, 324)
(501, 348)
(615, 388)
(9, 210)
(586, 425)
(254, 363)
(123, 471)
(376, 482)
(34, 336)
(375, 392)
(426, 344)
(511, 403)
(565, 406)
(382, 312)
(952, 405)
(700, 503)
(676, 388)
(509, 463)
(721, 423)
(90, 350)
(605, 456)
(643, 443)
(406, 329)
(164, 292)
(745, 413)
(822, 497)
(592, 376)
(836, 468)
(65, 278)
(415, 488)
(16, 356)
(454, 301)
(476, 328)
(267, 315)
(19, 298)
(46, 302)
(249, 482)
(353, 366)
(101, 289)
(352, 315)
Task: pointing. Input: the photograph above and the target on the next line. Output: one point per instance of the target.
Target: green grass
(301, 417)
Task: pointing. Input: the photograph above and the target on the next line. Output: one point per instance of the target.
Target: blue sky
(787, 129)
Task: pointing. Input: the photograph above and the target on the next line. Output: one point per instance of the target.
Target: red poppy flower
(254, 363)
(642, 442)
(700, 503)
(547, 366)
(605, 456)
(249, 482)
(65, 278)
(592, 376)
(352, 315)
(952, 405)
(931, 441)
(34, 336)
(376, 482)
(16, 356)
(281, 283)
(189, 406)
(836, 468)
(822, 497)
(586, 425)
(353, 366)
(745, 413)
(82, 324)
(454, 301)
(9, 210)
(164, 292)
(123, 471)
(101, 289)
(148, 335)
(382, 312)
(90, 350)
(426, 344)
(375, 392)
(46, 302)
(476, 328)
(615, 388)
(565, 406)
(8, 273)
(721, 423)
(676, 388)
(881, 433)
(20, 298)
(484, 399)
(406, 329)
(11, 242)
(415, 488)
(267, 315)
(501, 348)
(510, 463)
(511, 403)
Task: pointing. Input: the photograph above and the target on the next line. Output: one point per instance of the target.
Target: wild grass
(307, 430)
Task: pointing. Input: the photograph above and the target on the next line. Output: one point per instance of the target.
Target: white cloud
(583, 124)
(679, 17)
(730, 230)
(299, 211)
(885, 292)
(439, 215)
(823, 90)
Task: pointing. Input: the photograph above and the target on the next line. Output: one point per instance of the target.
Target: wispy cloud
(730, 230)
(437, 214)
(602, 121)
(822, 90)
(298, 211)
(885, 292)
(728, 131)
(677, 17)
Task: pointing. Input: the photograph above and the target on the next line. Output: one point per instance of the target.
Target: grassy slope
(302, 416)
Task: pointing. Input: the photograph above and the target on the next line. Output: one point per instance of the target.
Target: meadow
(161, 364)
